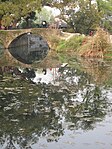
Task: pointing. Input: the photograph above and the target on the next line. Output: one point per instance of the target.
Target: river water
(64, 106)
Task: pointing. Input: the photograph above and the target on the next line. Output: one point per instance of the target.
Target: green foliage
(72, 44)
(108, 25)
(84, 15)
(75, 42)
(84, 19)
(26, 24)
(106, 8)
(88, 16)
(12, 11)
(44, 14)
(61, 46)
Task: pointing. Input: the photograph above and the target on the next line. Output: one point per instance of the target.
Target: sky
(54, 10)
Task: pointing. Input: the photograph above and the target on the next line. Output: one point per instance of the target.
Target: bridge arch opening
(29, 48)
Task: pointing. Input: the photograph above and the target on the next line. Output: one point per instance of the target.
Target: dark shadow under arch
(28, 48)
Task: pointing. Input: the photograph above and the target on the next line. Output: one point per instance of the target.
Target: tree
(84, 17)
(12, 11)
(44, 14)
(105, 7)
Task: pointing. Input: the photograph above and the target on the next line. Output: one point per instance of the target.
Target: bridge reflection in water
(29, 48)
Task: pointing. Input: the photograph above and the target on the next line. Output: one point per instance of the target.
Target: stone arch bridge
(7, 36)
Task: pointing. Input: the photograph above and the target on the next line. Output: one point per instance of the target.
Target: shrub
(61, 46)
(74, 42)
(71, 44)
(97, 45)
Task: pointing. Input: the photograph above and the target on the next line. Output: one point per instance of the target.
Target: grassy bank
(72, 44)
(98, 45)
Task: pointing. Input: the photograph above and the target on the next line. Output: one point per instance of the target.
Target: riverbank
(99, 45)
(65, 45)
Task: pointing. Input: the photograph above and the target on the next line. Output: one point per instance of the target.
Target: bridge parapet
(7, 36)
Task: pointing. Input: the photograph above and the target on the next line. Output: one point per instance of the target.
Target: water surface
(62, 107)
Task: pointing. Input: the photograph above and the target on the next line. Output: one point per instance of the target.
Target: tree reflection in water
(30, 110)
